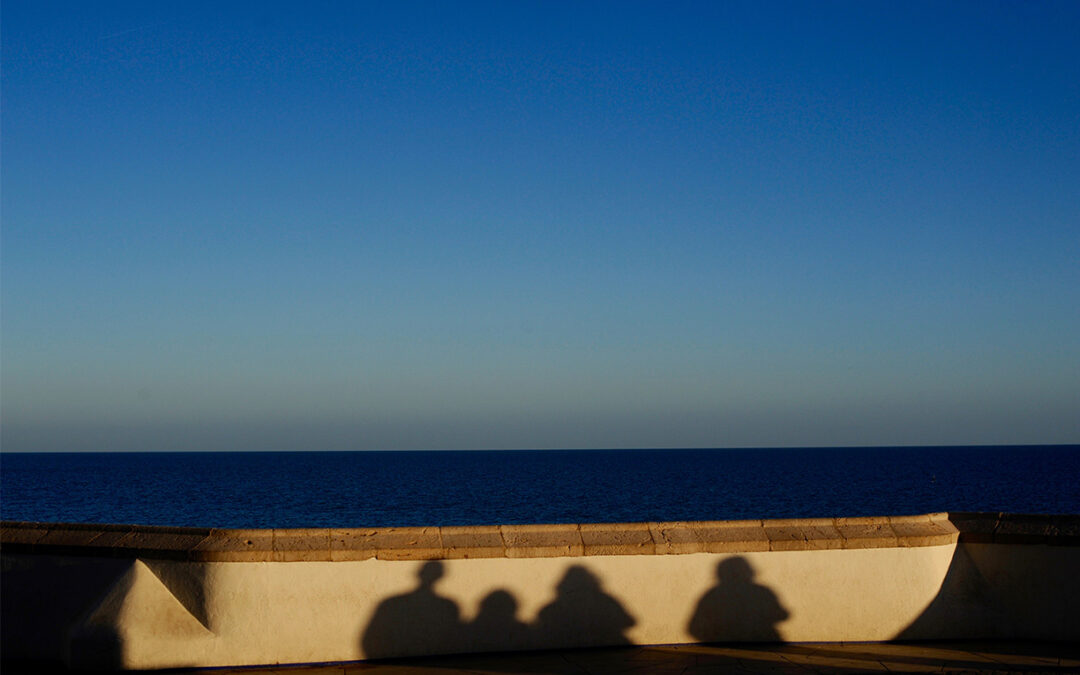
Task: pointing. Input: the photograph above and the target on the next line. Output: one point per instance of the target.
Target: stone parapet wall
(534, 541)
(140, 597)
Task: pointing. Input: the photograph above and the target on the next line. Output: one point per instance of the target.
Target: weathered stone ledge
(534, 541)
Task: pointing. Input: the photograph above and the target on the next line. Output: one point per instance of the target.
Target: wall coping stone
(534, 541)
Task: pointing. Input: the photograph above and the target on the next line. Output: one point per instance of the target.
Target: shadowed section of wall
(94, 640)
(187, 583)
(139, 613)
(962, 608)
(32, 611)
(1011, 577)
(101, 606)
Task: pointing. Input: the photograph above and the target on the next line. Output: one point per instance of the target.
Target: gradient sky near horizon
(289, 226)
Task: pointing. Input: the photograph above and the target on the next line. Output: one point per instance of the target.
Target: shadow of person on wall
(418, 618)
(737, 609)
(582, 614)
(496, 626)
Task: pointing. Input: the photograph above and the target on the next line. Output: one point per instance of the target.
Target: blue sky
(537, 225)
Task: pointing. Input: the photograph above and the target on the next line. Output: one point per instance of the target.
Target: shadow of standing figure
(418, 622)
(496, 626)
(582, 614)
(737, 609)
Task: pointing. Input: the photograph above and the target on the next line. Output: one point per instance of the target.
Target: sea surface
(374, 489)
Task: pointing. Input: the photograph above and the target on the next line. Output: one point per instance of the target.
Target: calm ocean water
(347, 489)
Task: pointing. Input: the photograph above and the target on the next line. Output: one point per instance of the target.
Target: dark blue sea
(358, 489)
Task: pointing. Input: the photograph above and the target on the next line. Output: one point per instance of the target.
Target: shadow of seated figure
(418, 622)
(737, 609)
(496, 627)
(582, 615)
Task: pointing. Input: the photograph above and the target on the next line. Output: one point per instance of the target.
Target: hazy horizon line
(549, 449)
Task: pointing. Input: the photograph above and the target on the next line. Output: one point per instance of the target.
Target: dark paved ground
(982, 657)
(927, 657)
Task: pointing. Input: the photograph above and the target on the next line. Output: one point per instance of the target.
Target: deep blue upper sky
(455, 225)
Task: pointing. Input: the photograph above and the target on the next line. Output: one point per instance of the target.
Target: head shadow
(737, 609)
(497, 627)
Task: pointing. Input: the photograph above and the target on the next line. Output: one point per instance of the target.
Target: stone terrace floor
(927, 657)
